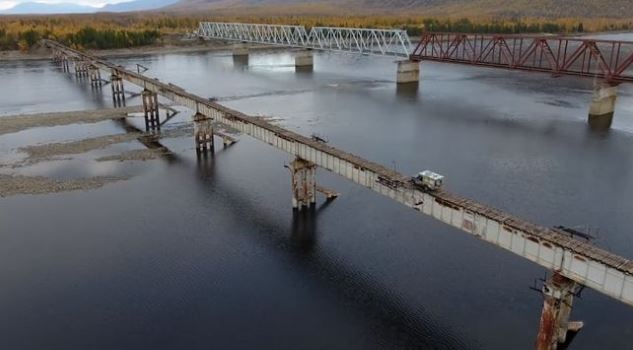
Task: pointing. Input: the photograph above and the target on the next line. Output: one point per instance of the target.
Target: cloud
(7, 4)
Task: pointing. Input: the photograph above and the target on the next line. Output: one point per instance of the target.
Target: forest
(111, 31)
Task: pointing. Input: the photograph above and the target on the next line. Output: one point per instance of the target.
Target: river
(191, 254)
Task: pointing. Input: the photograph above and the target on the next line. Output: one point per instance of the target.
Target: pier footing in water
(555, 329)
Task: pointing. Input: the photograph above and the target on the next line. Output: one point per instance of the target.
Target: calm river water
(190, 254)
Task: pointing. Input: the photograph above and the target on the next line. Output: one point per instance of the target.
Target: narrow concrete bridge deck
(573, 262)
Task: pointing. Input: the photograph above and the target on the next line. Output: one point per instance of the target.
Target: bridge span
(573, 262)
(608, 62)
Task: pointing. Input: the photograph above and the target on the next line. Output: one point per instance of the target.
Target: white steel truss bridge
(381, 42)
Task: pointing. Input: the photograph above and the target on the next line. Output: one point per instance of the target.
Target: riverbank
(41, 53)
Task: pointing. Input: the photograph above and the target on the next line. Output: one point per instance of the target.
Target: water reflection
(205, 162)
(151, 141)
(304, 71)
(407, 92)
(240, 62)
(85, 89)
(390, 319)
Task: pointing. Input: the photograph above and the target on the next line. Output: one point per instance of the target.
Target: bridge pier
(203, 133)
(303, 176)
(304, 59)
(240, 49)
(65, 64)
(408, 72)
(118, 93)
(81, 69)
(95, 76)
(240, 54)
(555, 329)
(603, 106)
(150, 108)
(57, 57)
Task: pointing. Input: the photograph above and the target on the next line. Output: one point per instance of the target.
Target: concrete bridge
(573, 262)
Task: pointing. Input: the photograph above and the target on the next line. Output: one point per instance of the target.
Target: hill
(445, 8)
(42, 8)
(137, 5)
(70, 8)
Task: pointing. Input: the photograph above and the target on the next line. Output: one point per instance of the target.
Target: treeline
(501, 27)
(85, 38)
(80, 31)
(108, 31)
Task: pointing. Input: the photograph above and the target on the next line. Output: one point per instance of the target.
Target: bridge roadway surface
(553, 249)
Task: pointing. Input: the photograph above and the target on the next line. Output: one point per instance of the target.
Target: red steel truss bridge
(607, 60)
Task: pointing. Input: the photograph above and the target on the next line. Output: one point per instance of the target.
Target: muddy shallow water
(188, 252)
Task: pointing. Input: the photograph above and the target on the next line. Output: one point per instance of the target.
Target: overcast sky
(5, 4)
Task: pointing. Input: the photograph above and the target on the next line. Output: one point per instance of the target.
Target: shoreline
(16, 55)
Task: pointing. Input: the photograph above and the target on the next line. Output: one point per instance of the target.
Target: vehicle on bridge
(428, 180)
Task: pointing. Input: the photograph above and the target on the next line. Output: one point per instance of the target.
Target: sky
(6, 4)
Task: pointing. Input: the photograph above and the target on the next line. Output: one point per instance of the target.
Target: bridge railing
(383, 42)
(605, 59)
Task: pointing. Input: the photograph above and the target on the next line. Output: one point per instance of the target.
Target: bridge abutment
(603, 106)
(303, 176)
(118, 92)
(408, 72)
(203, 133)
(304, 59)
(555, 329)
(150, 108)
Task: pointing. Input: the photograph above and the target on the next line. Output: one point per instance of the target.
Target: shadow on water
(150, 141)
(391, 318)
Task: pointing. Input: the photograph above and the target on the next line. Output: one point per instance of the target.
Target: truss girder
(604, 59)
(382, 42)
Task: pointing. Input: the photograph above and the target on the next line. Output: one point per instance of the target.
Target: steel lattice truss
(384, 42)
(604, 59)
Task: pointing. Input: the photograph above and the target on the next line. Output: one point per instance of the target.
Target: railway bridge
(573, 262)
(608, 62)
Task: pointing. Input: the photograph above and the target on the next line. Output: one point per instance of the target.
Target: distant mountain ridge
(444, 8)
(60, 8)
(40, 8)
(137, 5)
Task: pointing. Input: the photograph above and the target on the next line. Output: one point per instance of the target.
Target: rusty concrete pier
(573, 262)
